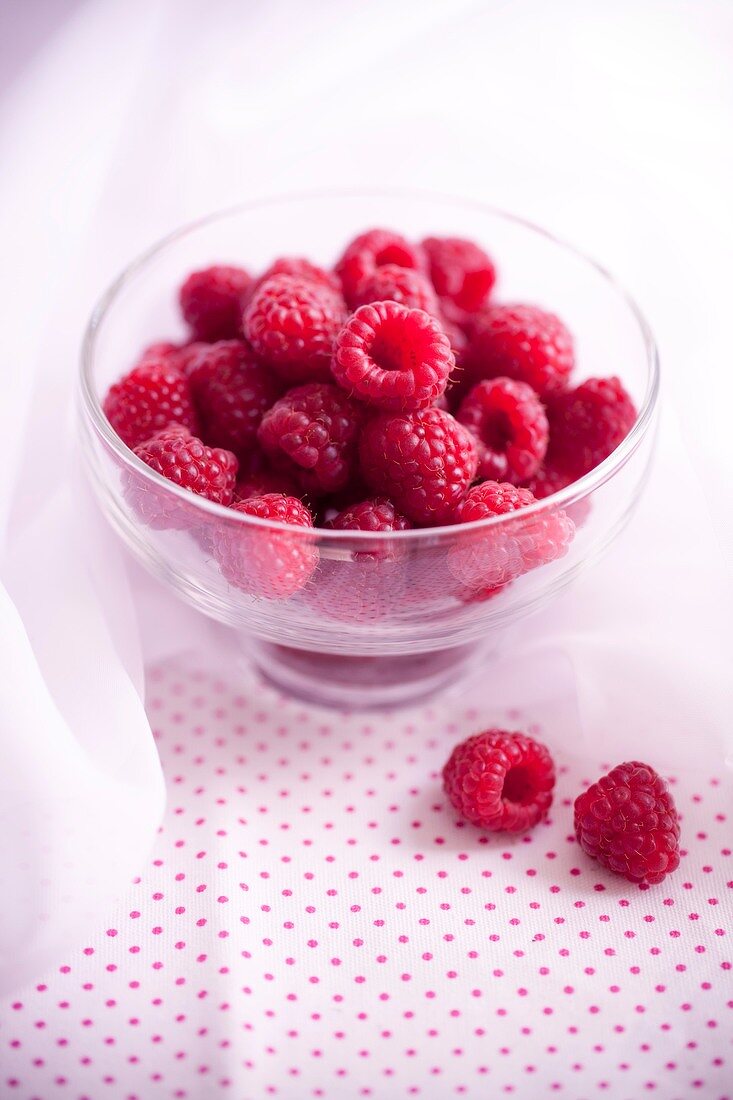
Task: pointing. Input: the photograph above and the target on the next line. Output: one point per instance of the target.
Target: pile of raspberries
(388, 393)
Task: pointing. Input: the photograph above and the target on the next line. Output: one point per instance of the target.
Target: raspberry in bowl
(366, 431)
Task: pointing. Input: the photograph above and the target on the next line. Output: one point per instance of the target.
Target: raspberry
(486, 559)
(423, 461)
(391, 283)
(371, 250)
(311, 434)
(393, 357)
(509, 422)
(500, 781)
(262, 482)
(521, 342)
(587, 424)
(461, 271)
(264, 561)
(292, 325)
(153, 395)
(163, 349)
(549, 480)
(232, 391)
(628, 822)
(187, 462)
(303, 270)
(377, 514)
(211, 302)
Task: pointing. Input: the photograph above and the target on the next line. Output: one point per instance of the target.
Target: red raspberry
(460, 270)
(163, 349)
(391, 283)
(587, 424)
(371, 250)
(232, 391)
(510, 425)
(628, 822)
(311, 434)
(211, 302)
(187, 462)
(259, 483)
(303, 270)
(292, 324)
(265, 561)
(485, 559)
(500, 781)
(377, 514)
(424, 461)
(394, 357)
(153, 395)
(188, 354)
(549, 480)
(521, 342)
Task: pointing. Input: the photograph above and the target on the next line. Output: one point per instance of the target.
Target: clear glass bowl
(383, 619)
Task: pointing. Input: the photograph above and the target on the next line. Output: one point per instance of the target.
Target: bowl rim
(566, 497)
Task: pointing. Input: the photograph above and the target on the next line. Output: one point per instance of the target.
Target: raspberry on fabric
(393, 357)
(302, 269)
(587, 424)
(211, 301)
(522, 342)
(311, 434)
(628, 821)
(266, 561)
(405, 285)
(232, 391)
(292, 324)
(460, 271)
(151, 396)
(510, 425)
(500, 781)
(423, 461)
(488, 558)
(371, 250)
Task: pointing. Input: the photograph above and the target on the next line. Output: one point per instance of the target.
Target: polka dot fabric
(314, 922)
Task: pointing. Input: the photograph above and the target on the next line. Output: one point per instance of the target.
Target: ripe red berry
(628, 822)
(153, 395)
(371, 250)
(259, 483)
(186, 462)
(500, 781)
(267, 561)
(587, 424)
(292, 324)
(405, 285)
(461, 271)
(311, 434)
(393, 357)
(549, 480)
(424, 461)
(302, 269)
(376, 514)
(487, 558)
(232, 391)
(211, 302)
(521, 342)
(509, 423)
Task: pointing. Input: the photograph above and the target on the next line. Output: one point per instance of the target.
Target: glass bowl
(383, 619)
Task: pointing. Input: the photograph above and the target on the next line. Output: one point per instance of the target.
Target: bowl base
(362, 683)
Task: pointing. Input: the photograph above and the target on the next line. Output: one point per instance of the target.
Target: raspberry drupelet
(423, 461)
(510, 425)
(628, 821)
(393, 357)
(500, 781)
